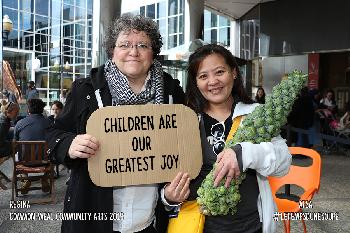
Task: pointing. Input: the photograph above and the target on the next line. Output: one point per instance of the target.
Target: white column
(235, 38)
(103, 14)
(194, 11)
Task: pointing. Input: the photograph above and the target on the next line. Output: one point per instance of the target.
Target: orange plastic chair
(307, 178)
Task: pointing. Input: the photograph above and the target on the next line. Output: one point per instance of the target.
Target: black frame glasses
(218, 132)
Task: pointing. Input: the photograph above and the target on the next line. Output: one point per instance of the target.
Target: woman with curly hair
(131, 75)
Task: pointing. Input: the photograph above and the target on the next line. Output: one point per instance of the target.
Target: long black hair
(194, 98)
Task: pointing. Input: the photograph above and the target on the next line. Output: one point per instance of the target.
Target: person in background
(8, 112)
(33, 128)
(260, 96)
(344, 122)
(216, 93)
(131, 75)
(32, 92)
(329, 103)
(11, 97)
(314, 131)
(56, 109)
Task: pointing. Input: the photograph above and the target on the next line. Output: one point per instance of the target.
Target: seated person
(9, 110)
(32, 128)
(328, 102)
(56, 109)
(344, 122)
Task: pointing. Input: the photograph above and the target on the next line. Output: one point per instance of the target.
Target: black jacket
(82, 195)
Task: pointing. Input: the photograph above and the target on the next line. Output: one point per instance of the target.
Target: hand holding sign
(178, 190)
(83, 146)
(143, 144)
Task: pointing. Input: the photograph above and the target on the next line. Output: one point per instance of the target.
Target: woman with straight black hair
(216, 93)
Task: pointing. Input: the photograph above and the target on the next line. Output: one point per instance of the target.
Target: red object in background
(313, 68)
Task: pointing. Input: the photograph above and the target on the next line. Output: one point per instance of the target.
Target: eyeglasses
(218, 132)
(141, 46)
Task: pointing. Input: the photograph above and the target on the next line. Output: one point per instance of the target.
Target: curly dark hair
(194, 98)
(128, 22)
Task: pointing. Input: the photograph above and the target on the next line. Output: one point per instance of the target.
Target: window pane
(69, 2)
(181, 39)
(26, 5)
(223, 21)
(172, 25)
(41, 24)
(181, 6)
(161, 9)
(56, 9)
(89, 4)
(80, 3)
(10, 3)
(11, 40)
(41, 43)
(68, 13)
(151, 11)
(181, 29)
(162, 26)
(55, 27)
(172, 41)
(26, 41)
(142, 10)
(42, 7)
(213, 38)
(214, 20)
(12, 14)
(207, 36)
(79, 32)
(224, 35)
(79, 13)
(172, 7)
(207, 19)
(26, 21)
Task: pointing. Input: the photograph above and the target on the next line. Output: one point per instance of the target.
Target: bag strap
(234, 127)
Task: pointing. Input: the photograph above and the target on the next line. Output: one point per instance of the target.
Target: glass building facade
(170, 17)
(50, 44)
(216, 28)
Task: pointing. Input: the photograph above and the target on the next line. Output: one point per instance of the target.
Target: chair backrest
(30, 152)
(305, 177)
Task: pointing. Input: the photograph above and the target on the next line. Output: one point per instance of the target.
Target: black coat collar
(99, 82)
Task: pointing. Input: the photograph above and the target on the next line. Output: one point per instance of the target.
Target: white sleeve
(267, 158)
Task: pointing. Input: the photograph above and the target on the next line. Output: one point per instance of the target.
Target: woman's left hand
(178, 190)
(227, 165)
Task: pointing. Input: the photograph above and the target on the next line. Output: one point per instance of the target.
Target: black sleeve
(238, 150)
(60, 134)
(172, 87)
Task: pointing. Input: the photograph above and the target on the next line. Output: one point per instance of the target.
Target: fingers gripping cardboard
(144, 144)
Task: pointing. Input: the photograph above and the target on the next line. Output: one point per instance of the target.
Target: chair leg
(286, 224)
(13, 187)
(5, 177)
(304, 225)
(2, 186)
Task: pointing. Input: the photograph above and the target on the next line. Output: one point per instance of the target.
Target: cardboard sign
(144, 144)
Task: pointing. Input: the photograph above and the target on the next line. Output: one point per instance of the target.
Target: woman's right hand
(83, 146)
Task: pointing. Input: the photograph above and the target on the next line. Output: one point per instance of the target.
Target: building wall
(56, 32)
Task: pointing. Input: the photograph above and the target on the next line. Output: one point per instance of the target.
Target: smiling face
(215, 80)
(134, 62)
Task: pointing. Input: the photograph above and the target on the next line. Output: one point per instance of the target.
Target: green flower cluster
(261, 125)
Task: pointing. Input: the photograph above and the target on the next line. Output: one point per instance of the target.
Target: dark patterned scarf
(122, 93)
